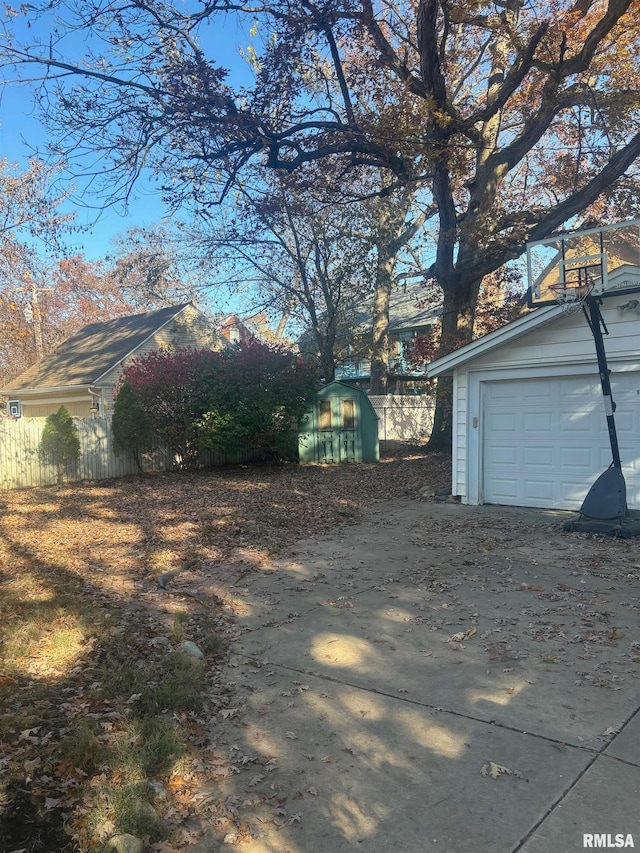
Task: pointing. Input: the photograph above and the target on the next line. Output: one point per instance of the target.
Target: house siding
(569, 341)
(76, 408)
(188, 330)
(459, 449)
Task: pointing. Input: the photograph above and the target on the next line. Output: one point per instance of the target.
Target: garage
(545, 439)
(529, 424)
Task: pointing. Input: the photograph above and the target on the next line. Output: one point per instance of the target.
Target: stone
(126, 843)
(160, 642)
(189, 648)
(158, 791)
(426, 491)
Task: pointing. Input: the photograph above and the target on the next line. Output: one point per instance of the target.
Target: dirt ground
(79, 569)
(79, 597)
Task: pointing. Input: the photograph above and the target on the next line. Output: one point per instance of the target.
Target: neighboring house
(529, 426)
(83, 372)
(232, 329)
(407, 320)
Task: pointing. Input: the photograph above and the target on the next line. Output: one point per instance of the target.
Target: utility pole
(37, 321)
(36, 317)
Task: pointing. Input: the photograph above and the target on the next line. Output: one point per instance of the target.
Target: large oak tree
(516, 116)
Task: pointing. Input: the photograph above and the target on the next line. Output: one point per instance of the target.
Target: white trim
(44, 390)
(522, 326)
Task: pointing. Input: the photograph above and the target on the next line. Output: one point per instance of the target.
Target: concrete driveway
(437, 678)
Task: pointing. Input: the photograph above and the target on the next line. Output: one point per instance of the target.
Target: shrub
(131, 427)
(250, 397)
(60, 444)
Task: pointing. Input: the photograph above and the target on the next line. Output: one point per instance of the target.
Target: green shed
(341, 426)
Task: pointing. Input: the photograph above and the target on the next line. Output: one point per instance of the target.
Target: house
(83, 372)
(408, 319)
(529, 426)
(232, 329)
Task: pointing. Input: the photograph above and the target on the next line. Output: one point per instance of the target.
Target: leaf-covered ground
(100, 727)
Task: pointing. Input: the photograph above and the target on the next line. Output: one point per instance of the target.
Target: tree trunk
(458, 312)
(380, 335)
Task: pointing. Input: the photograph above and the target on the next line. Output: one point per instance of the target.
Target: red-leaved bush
(248, 397)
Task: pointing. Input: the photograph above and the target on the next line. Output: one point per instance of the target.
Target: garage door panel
(539, 490)
(505, 456)
(546, 441)
(624, 422)
(578, 421)
(505, 488)
(537, 421)
(577, 457)
(538, 455)
(503, 422)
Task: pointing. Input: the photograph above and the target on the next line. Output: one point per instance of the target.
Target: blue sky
(21, 133)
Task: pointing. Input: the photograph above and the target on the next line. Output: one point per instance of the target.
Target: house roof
(86, 356)
(404, 309)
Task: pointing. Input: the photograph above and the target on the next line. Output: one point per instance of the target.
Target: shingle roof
(404, 310)
(95, 349)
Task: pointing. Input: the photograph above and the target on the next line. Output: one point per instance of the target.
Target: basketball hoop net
(571, 297)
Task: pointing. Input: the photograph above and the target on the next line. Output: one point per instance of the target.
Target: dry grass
(90, 708)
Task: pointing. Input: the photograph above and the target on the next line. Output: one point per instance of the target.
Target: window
(324, 414)
(348, 414)
(14, 408)
(234, 335)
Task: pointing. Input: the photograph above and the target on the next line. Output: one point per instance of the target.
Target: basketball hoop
(571, 297)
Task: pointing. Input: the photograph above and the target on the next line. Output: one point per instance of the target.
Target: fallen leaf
(494, 770)
(30, 766)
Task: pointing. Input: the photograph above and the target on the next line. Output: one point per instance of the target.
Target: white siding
(459, 437)
(568, 340)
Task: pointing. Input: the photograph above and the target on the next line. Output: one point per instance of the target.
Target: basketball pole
(605, 505)
(595, 321)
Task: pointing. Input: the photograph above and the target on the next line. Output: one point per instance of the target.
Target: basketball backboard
(583, 259)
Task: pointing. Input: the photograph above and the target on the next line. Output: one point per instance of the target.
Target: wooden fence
(20, 465)
(403, 417)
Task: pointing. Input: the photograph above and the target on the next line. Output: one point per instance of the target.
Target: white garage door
(546, 440)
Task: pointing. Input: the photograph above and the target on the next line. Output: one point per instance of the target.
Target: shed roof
(86, 356)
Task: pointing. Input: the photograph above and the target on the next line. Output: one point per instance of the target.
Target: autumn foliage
(198, 400)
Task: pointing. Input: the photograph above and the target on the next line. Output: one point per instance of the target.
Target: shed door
(348, 441)
(545, 441)
(327, 440)
(337, 434)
